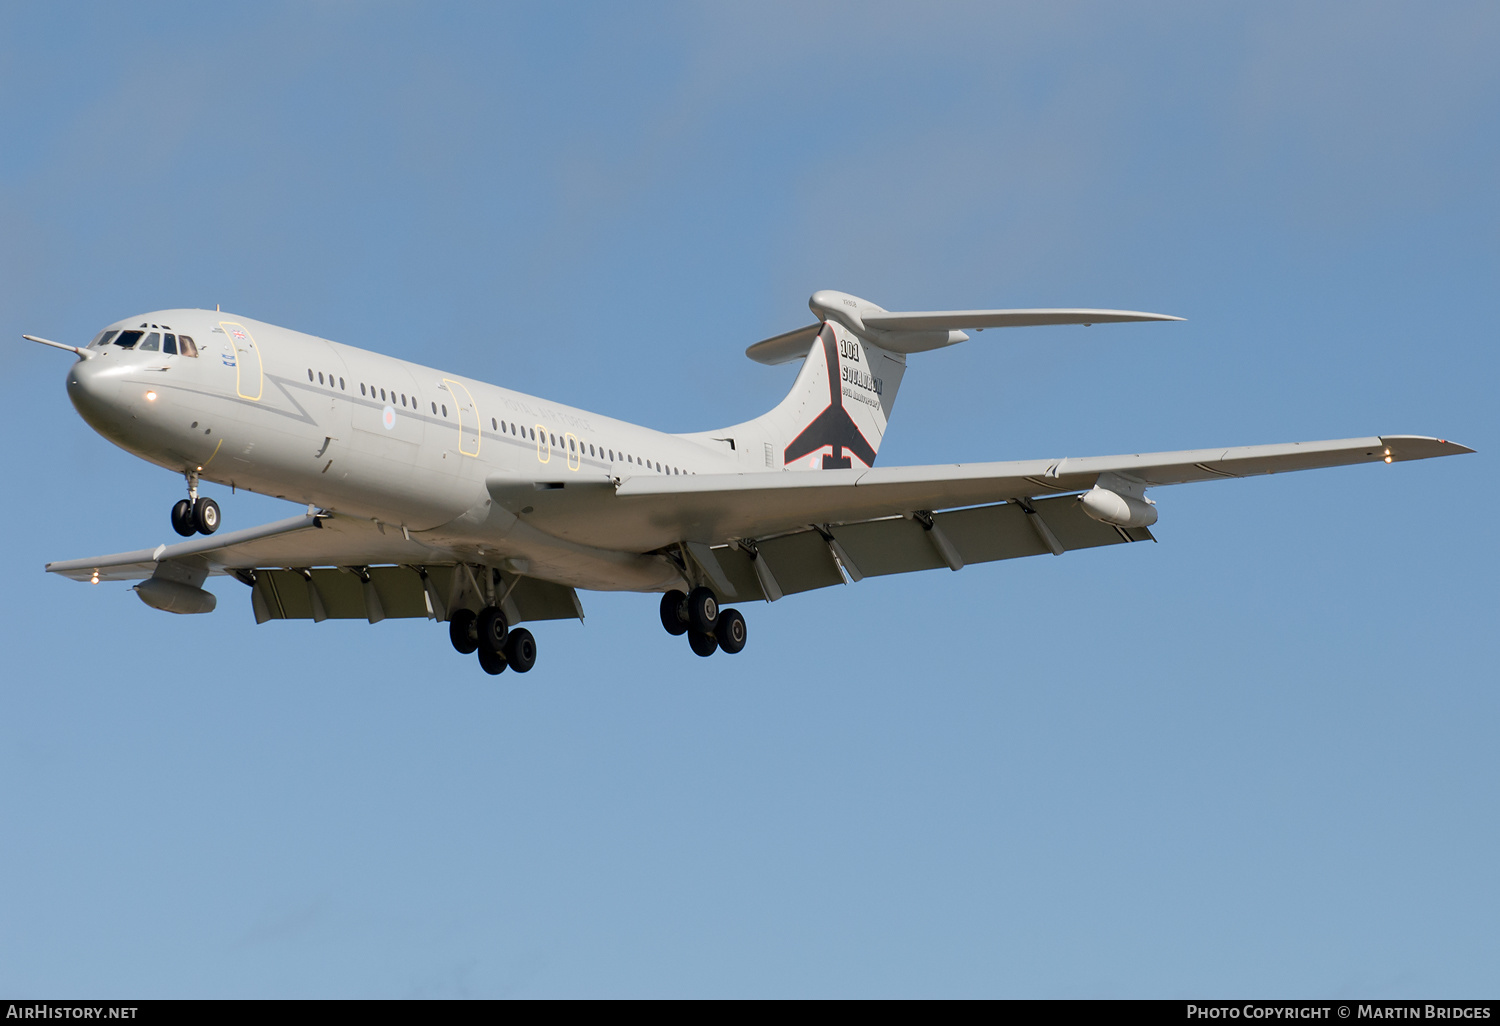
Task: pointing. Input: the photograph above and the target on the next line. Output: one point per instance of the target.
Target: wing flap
(804, 560)
(336, 594)
(981, 534)
(288, 595)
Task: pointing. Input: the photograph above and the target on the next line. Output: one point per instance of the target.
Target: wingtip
(1421, 447)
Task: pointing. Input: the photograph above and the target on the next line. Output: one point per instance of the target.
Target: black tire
(702, 610)
(492, 629)
(206, 515)
(461, 631)
(182, 518)
(730, 630)
(520, 650)
(674, 612)
(703, 644)
(492, 663)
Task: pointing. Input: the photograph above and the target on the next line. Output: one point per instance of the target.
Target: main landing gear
(697, 614)
(487, 633)
(195, 515)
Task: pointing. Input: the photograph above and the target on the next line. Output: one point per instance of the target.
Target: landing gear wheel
(182, 518)
(674, 613)
(206, 515)
(520, 650)
(730, 631)
(492, 629)
(703, 644)
(461, 631)
(492, 663)
(702, 610)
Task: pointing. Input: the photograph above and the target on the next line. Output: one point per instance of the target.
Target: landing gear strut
(195, 514)
(697, 614)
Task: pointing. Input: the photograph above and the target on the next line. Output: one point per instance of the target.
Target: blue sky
(1254, 759)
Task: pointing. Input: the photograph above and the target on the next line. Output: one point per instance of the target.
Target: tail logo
(833, 427)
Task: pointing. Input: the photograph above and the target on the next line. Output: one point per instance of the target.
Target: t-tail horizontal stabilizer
(920, 331)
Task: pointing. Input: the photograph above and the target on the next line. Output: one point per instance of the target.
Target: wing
(891, 519)
(883, 520)
(320, 566)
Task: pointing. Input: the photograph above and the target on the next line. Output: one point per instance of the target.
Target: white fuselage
(351, 431)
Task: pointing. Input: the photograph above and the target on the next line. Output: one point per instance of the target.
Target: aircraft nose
(93, 390)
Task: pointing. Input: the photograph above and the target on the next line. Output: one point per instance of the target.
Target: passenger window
(445, 409)
(434, 407)
(186, 346)
(591, 449)
(361, 388)
(320, 377)
(494, 426)
(403, 398)
(571, 446)
(382, 395)
(152, 343)
(341, 384)
(169, 344)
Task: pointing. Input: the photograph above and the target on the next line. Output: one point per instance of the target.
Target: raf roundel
(388, 417)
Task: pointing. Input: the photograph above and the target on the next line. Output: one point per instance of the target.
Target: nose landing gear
(709, 628)
(195, 515)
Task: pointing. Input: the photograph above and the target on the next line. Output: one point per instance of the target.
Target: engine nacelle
(1118, 510)
(174, 597)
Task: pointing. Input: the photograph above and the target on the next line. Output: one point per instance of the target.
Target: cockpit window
(128, 339)
(185, 345)
(152, 343)
(102, 339)
(169, 344)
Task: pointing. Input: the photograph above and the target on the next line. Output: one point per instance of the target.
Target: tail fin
(837, 411)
